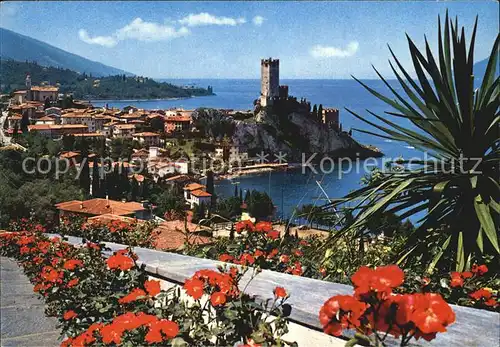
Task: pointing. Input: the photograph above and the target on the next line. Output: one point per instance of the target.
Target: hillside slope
(82, 86)
(19, 47)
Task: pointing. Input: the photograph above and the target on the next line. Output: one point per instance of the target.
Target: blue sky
(227, 40)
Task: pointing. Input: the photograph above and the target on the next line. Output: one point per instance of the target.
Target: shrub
(131, 232)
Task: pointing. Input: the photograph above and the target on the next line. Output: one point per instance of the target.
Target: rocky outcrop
(295, 134)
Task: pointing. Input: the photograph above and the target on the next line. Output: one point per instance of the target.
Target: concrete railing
(473, 327)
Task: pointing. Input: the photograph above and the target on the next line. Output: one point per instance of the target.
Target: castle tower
(269, 80)
(28, 88)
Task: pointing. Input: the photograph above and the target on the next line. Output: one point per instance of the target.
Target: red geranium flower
(264, 227)
(466, 274)
(479, 270)
(456, 280)
(272, 254)
(152, 287)
(431, 313)
(72, 282)
(226, 258)
(284, 258)
(120, 261)
(280, 292)
(481, 294)
(247, 259)
(217, 299)
(258, 253)
(111, 333)
(135, 294)
(380, 280)
(72, 264)
(69, 315)
(273, 234)
(169, 328)
(341, 312)
(194, 287)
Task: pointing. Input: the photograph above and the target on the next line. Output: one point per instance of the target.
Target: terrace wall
(473, 327)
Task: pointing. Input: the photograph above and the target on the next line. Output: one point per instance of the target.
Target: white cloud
(149, 31)
(107, 41)
(136, 30)
(204, 18)
(258, 20)
(320, 51)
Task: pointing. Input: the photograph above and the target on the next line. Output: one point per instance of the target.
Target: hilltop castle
(270, 82)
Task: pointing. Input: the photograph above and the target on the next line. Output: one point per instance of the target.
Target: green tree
(84, 166)
(134, 189)
(96, 179)
(25, 121)
(15, 132)
(68, 142)
(314, 112)
(456, 122)
(210, 185)
(320, 113)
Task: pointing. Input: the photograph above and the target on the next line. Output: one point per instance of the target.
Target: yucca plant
(457, 191)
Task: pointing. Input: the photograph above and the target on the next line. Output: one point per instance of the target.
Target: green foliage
(34, 195)
(122, 148)
(85, 87)
(132, 233)
(229, 208)
(259, 204)
(458, 126)
(213, 123)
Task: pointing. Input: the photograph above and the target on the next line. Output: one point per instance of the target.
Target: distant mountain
(21, 48)
(479, 69)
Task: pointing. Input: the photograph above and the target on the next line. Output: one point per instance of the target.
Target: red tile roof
(178, 178)
(201, 193)
(178, 119)
(172, 236)
(100, 206)
(194, 186)
(44, 88)
(46, 118)
(146, 134)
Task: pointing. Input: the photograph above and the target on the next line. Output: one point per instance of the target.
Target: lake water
(293, 188)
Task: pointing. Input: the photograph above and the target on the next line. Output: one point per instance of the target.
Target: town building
(177, 123)
(57, 130)
(123, 130)
(147, 138)
(196, 194)
(46, 120)
(97, 207)
(42, 93)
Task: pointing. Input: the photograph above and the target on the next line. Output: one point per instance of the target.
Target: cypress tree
(235, 190)
(315, 112)
(320, 113)
(210, 185)
(241, 195)
(25, 121)
(96, 180)
(16, 130)
(84, 166)
(124, 182)
(134, 189)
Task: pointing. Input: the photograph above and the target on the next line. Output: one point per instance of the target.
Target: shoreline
(146, 100)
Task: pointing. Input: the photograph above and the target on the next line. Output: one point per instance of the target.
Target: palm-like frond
(458, 127)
